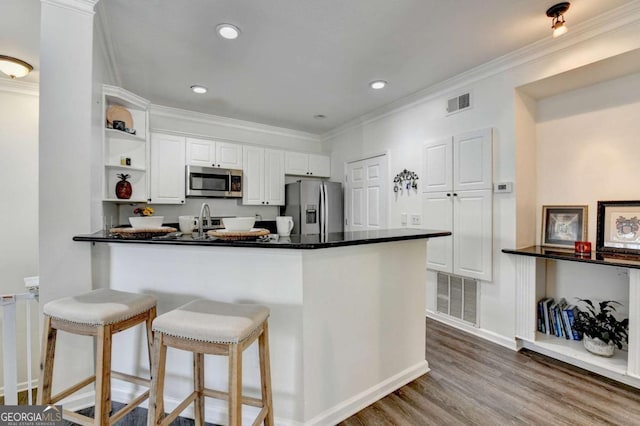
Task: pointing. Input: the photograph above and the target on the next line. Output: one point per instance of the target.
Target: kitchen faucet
(205, 212)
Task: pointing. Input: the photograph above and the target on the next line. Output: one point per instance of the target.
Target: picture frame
(562, 226)
(618, 227)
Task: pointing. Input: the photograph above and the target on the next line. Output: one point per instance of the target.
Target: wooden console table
(531, 286)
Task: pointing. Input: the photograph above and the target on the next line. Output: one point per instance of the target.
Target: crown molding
(613, 20)
(199, 117)
(21, 87)
(82, 6)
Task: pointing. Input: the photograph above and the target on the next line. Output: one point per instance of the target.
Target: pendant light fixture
(557, 13)
(13, 67)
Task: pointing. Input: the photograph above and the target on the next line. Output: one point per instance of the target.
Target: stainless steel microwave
(213, 182)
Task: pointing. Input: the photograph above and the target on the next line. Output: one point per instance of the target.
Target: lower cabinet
(468, 215)
(263, 176)
(167, 178)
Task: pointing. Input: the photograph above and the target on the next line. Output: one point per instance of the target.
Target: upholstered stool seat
(99, 313)
(217, 328)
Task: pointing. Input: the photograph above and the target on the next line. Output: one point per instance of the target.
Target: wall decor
(618, 227)
(562, 226)
(405, 180)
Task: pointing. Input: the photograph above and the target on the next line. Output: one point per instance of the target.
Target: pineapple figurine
(123, 187)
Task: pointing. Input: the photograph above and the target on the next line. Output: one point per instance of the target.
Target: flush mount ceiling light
(228, 31)
(13, 67)
(319, 116)
(557, 13)
(199, 89)
(378, 84)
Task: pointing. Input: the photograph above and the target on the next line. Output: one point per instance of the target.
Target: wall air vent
(459, 103)
(458, 297)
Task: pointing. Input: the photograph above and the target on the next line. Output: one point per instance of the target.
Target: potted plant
(601, 329)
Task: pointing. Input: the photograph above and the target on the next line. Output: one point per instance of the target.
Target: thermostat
(503, 187)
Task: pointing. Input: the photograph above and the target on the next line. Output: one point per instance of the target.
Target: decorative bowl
(238, 224)
(146, 222)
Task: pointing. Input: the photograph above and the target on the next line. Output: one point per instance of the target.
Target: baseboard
(351, 406)
(479, 332)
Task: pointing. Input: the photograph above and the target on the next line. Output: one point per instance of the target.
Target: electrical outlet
(403, 219)
(415, 219)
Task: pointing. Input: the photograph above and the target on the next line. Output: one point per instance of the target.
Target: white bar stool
(99, 313)
(214, 328)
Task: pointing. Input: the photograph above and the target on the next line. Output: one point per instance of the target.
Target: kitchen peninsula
(347, 323)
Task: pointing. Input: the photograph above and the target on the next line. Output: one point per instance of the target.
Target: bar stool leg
(198, 386)
(235, 385)
(265, 373)
(103, 376)
(150, 317)
(156, 396)
(46, 361)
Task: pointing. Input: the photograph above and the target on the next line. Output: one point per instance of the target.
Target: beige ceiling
(299, 58)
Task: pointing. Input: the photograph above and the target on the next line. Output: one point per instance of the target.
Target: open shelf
(123, 168)
(119, 134)
(576, 351)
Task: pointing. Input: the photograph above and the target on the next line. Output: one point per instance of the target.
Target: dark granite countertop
(337, 239)
(599, 258)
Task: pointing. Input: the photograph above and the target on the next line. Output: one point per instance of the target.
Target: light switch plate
(403, 218)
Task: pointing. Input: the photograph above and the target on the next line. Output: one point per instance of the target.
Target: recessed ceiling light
(378, 84)
(319, 116)
(228, 31)
(199, 89)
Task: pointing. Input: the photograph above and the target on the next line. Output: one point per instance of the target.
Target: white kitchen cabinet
(458, 197)
(125, 153)
(208, 153)
(462, 162)
(317, 165)
(167, 182)
(263, 176)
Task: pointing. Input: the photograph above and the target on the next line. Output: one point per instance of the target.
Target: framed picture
(618, 227)
(563, 225)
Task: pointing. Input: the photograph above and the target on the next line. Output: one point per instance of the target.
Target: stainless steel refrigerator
(316, 206)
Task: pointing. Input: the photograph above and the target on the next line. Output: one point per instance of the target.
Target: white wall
(403, 132)
(19, 208)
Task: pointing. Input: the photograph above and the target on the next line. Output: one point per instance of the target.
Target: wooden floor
(475, 382)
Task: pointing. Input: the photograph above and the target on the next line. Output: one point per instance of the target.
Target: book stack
(557, 318)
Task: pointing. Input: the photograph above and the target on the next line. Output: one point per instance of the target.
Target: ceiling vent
(459, 103)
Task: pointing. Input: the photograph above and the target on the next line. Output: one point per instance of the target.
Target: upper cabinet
(296, 163)
(167, 183)
(460, 163)
(125, 147)
(208, 153)
(263, 176)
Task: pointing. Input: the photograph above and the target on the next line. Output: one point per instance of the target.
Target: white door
(253, 175)
(366, 194)
(296, 163)
(274, 177)
(200, 152)
(472, 227)
(319, 165)
(437, 211)
(437, 164)
(472, 153)
(167, 183)
(228, 155)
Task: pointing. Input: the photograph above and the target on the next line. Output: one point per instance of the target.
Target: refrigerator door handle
(326, 208)
(323, 218)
